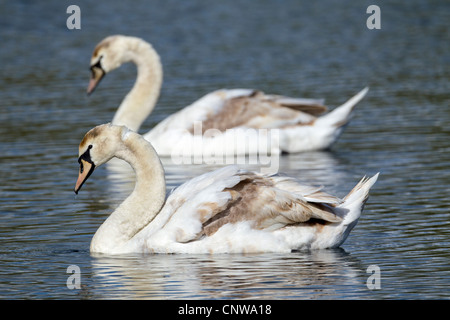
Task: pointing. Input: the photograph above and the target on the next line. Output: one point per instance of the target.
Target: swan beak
(97, 74)
(86, 169)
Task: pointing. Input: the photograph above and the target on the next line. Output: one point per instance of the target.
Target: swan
(228, 210)
(213, 123)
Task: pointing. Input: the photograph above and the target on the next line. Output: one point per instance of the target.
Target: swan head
(108, 55)
(98, 146)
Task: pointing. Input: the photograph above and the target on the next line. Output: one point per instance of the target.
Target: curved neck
(142, 205)
(141, 100)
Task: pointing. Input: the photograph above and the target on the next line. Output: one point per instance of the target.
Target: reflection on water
(319, 275)
(315, 168)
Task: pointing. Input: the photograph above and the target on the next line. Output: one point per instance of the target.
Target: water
(298, 48)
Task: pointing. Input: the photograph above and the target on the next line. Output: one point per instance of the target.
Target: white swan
(227, 210)
(212, 124)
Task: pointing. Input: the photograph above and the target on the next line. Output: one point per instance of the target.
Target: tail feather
(354, 201)
(340, 116)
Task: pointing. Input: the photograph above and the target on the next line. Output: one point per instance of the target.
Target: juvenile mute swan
(212, 124)
(226, 210)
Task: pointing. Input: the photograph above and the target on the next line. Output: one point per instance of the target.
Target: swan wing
(203, 205)
(231, 108)
(197, 196)
(225, 111)
(198, 111)
(270, 203)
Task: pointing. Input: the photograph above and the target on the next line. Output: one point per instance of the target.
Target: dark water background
(315, 49)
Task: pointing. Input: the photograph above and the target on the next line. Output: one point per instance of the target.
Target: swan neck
(142, 205)
(141, 100)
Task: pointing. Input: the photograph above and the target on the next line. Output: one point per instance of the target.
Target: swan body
(213, 123)
(223, 211)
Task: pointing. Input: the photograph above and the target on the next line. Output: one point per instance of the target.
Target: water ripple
(400, 129)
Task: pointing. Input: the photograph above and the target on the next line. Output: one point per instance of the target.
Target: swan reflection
(315, 274)
(312, 168)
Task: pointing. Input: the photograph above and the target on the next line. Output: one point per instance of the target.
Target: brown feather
(259, 200)
(248, 111)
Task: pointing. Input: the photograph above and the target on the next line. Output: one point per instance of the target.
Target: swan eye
(98, 64)
(86, 156)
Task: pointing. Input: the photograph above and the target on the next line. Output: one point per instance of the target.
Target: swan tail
(354, 201)
(340, 116)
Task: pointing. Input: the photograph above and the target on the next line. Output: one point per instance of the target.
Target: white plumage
(226, 210)
(213, 124)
